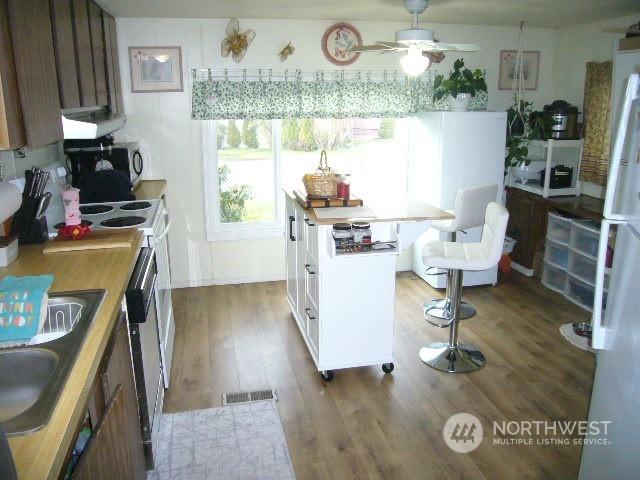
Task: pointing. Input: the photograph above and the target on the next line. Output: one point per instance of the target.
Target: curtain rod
(298, 74)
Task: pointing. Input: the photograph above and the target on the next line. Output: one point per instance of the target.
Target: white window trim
(216, 230)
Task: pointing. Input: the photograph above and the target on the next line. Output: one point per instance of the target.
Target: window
(247, 162)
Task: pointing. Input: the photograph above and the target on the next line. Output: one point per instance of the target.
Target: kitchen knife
(43, 204)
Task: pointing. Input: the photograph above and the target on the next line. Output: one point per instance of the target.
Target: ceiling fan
(419, 43)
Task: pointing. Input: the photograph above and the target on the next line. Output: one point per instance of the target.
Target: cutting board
(326, 202)
(94, 241)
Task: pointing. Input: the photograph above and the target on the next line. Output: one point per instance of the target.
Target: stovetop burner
(95, 209)
(123, 222)
(86, 223)
(136, 206)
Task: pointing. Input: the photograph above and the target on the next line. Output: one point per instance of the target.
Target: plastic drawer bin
(553, 277)
(579, 292)
(556, 254)
(559, 228)
(585, 236)
(582, 267)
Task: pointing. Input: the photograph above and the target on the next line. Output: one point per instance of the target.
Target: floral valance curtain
(597, 111)
(215, 99)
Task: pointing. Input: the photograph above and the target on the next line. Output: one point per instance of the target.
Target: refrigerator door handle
(597, 329)
(631, 93)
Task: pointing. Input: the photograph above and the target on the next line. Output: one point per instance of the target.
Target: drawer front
(312, 279)
(313, 326)
(311, 238)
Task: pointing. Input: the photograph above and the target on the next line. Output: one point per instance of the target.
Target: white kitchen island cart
(343, 303)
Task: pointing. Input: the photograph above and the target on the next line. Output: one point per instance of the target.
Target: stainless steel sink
(33, 376)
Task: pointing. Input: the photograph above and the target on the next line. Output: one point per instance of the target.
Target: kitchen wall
(575, 46)
(172, 142)
(14, 165)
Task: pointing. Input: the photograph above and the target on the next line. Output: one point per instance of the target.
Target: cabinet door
(66, 66)
(98, 52)
(115, 448)
(290, 252)
(30, 24)
(519, 228)
(113, 65)
(84, 53)
(300, 257)
(11, 133)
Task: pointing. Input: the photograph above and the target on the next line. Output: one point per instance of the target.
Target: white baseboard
(207, 282)
(523, 270)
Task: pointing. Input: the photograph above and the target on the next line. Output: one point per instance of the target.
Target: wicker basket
(322, 183)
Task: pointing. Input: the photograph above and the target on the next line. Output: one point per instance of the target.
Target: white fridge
(451, 150)
(616, 320)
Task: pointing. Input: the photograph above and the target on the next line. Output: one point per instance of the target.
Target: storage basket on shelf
(322, 183)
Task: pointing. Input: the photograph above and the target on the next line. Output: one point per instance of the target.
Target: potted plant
(460, 87)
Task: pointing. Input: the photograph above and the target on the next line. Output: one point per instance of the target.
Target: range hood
(89, 124)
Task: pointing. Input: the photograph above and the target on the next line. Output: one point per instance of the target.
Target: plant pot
(459, 103)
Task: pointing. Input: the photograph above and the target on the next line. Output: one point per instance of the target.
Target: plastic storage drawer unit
(585, 236)
(553, 277)
(582, 267)
(559, 228)
(556, 254)
(579, 292)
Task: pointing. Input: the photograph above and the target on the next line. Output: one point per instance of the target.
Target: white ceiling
(535, 13)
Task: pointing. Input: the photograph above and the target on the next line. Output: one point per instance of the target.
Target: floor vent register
(248, 397)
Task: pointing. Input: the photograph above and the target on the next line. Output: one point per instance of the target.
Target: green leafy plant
(233, 135)
(387, 126)
(518, 134)
(517, 151)
(459, 81)
(233, 200)
(249, 134)
(540, 126)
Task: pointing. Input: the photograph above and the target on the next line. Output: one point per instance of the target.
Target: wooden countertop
(40, 455)
(403, 210)
(150, 189)
(582, 206)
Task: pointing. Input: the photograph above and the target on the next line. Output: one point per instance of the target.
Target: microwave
(125, 157)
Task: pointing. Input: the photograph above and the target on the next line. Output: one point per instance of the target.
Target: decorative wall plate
(337, 42)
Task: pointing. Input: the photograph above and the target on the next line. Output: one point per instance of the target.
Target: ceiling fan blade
(451, 47)
(394, 45)
(370, 48)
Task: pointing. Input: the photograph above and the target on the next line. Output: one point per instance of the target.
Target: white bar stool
(469, 209)
(453, 356)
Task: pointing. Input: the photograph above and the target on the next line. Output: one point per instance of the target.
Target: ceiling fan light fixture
(414, 63)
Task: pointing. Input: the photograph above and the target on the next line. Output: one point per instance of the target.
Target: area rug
(233, 442)
(576, 340)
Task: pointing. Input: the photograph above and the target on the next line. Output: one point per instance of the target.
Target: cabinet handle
(291, 220)
(308, 222)
(309, 271)
(307, 311)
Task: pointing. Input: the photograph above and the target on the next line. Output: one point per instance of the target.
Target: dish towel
(23, 306)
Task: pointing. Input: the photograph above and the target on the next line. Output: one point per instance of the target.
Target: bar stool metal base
(457, 358)
(441, 308)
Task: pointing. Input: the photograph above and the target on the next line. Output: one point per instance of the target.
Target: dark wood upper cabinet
(84, 53)
(34, 59)
(112, 66)
(115, 63)
(97, 48)
(62, 25)
(11, 132)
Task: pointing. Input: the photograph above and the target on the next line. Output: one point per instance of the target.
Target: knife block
(26, 226)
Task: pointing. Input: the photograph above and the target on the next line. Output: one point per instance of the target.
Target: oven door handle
(164, 233)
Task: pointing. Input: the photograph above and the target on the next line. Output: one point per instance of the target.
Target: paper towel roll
(10, 200)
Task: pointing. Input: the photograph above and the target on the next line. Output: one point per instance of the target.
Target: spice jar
(342, 235)
(362, 235)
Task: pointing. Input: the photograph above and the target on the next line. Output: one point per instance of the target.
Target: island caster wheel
(387, 367)
(327, 375)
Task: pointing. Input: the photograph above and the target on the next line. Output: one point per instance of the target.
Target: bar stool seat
(453, 356)
(469, 210)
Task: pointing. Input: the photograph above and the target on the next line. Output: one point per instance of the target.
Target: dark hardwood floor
(366, 424)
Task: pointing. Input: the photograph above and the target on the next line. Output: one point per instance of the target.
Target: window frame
(215, 228)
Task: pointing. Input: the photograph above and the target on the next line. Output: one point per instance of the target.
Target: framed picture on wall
(530, 69)
(155, 69)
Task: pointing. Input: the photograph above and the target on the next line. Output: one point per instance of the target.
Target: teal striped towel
(23, 303)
